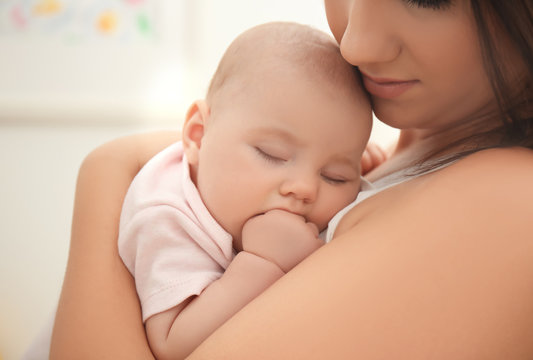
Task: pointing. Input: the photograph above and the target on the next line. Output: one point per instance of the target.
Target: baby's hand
(373, 156)
(281, 237)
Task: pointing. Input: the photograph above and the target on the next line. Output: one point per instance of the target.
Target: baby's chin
(321, 225)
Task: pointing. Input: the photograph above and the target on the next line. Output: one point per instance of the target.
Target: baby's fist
(281, 237)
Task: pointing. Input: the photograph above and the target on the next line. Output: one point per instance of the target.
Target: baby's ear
(193, 129)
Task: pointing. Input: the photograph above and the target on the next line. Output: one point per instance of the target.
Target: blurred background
(75, 74)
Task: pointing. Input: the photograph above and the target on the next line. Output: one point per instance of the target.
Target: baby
(266, 160)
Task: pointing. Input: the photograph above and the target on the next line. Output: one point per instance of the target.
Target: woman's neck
(417, 145)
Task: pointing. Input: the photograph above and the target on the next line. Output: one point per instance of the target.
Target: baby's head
(284, 125)
(278, 49)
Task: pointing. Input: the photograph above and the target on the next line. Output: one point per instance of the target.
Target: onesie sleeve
(158, 247)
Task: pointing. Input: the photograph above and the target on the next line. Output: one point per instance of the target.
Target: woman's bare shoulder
(502, 177)
(494, 185)
(492, 188)
(515, 165)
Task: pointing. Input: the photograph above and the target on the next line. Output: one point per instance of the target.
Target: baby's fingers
(313, 227)
(373, 156)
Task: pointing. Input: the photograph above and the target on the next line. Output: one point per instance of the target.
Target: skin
(286, 158)
(455, 284)
(286, 149)
(465, 294)
(392, 39)
(400, 44)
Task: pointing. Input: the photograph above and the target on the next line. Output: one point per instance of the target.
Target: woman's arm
(98, 315)
(272, 244)
(175, 333)
(440, 267)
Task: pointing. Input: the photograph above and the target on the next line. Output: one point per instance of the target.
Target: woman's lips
(386, 88)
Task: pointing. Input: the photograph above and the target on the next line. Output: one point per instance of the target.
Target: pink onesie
(168, 239)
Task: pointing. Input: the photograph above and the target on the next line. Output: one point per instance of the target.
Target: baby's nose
(303, 188)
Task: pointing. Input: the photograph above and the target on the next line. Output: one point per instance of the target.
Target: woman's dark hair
(512, 20)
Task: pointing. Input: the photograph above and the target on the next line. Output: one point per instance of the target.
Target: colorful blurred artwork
(79, 20)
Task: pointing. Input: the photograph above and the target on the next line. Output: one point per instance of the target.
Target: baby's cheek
(336, 203)
(322, 218)
(234, 227)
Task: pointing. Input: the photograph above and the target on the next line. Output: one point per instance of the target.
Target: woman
(438, 264)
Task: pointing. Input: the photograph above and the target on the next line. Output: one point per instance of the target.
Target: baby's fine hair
(284, 46)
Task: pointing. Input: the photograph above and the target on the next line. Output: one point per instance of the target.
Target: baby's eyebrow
(345, 159)
(279, 133)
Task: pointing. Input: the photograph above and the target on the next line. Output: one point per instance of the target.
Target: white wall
(47, 127)
(39, 167)
(76, 73)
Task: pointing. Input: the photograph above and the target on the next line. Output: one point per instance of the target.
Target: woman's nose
(303, 188)
(369, 36)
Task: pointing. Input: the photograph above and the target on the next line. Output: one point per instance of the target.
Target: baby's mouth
(291, 212)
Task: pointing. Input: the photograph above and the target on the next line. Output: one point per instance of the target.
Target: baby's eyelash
(267, 156)
(333, 181)
(430, 4)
